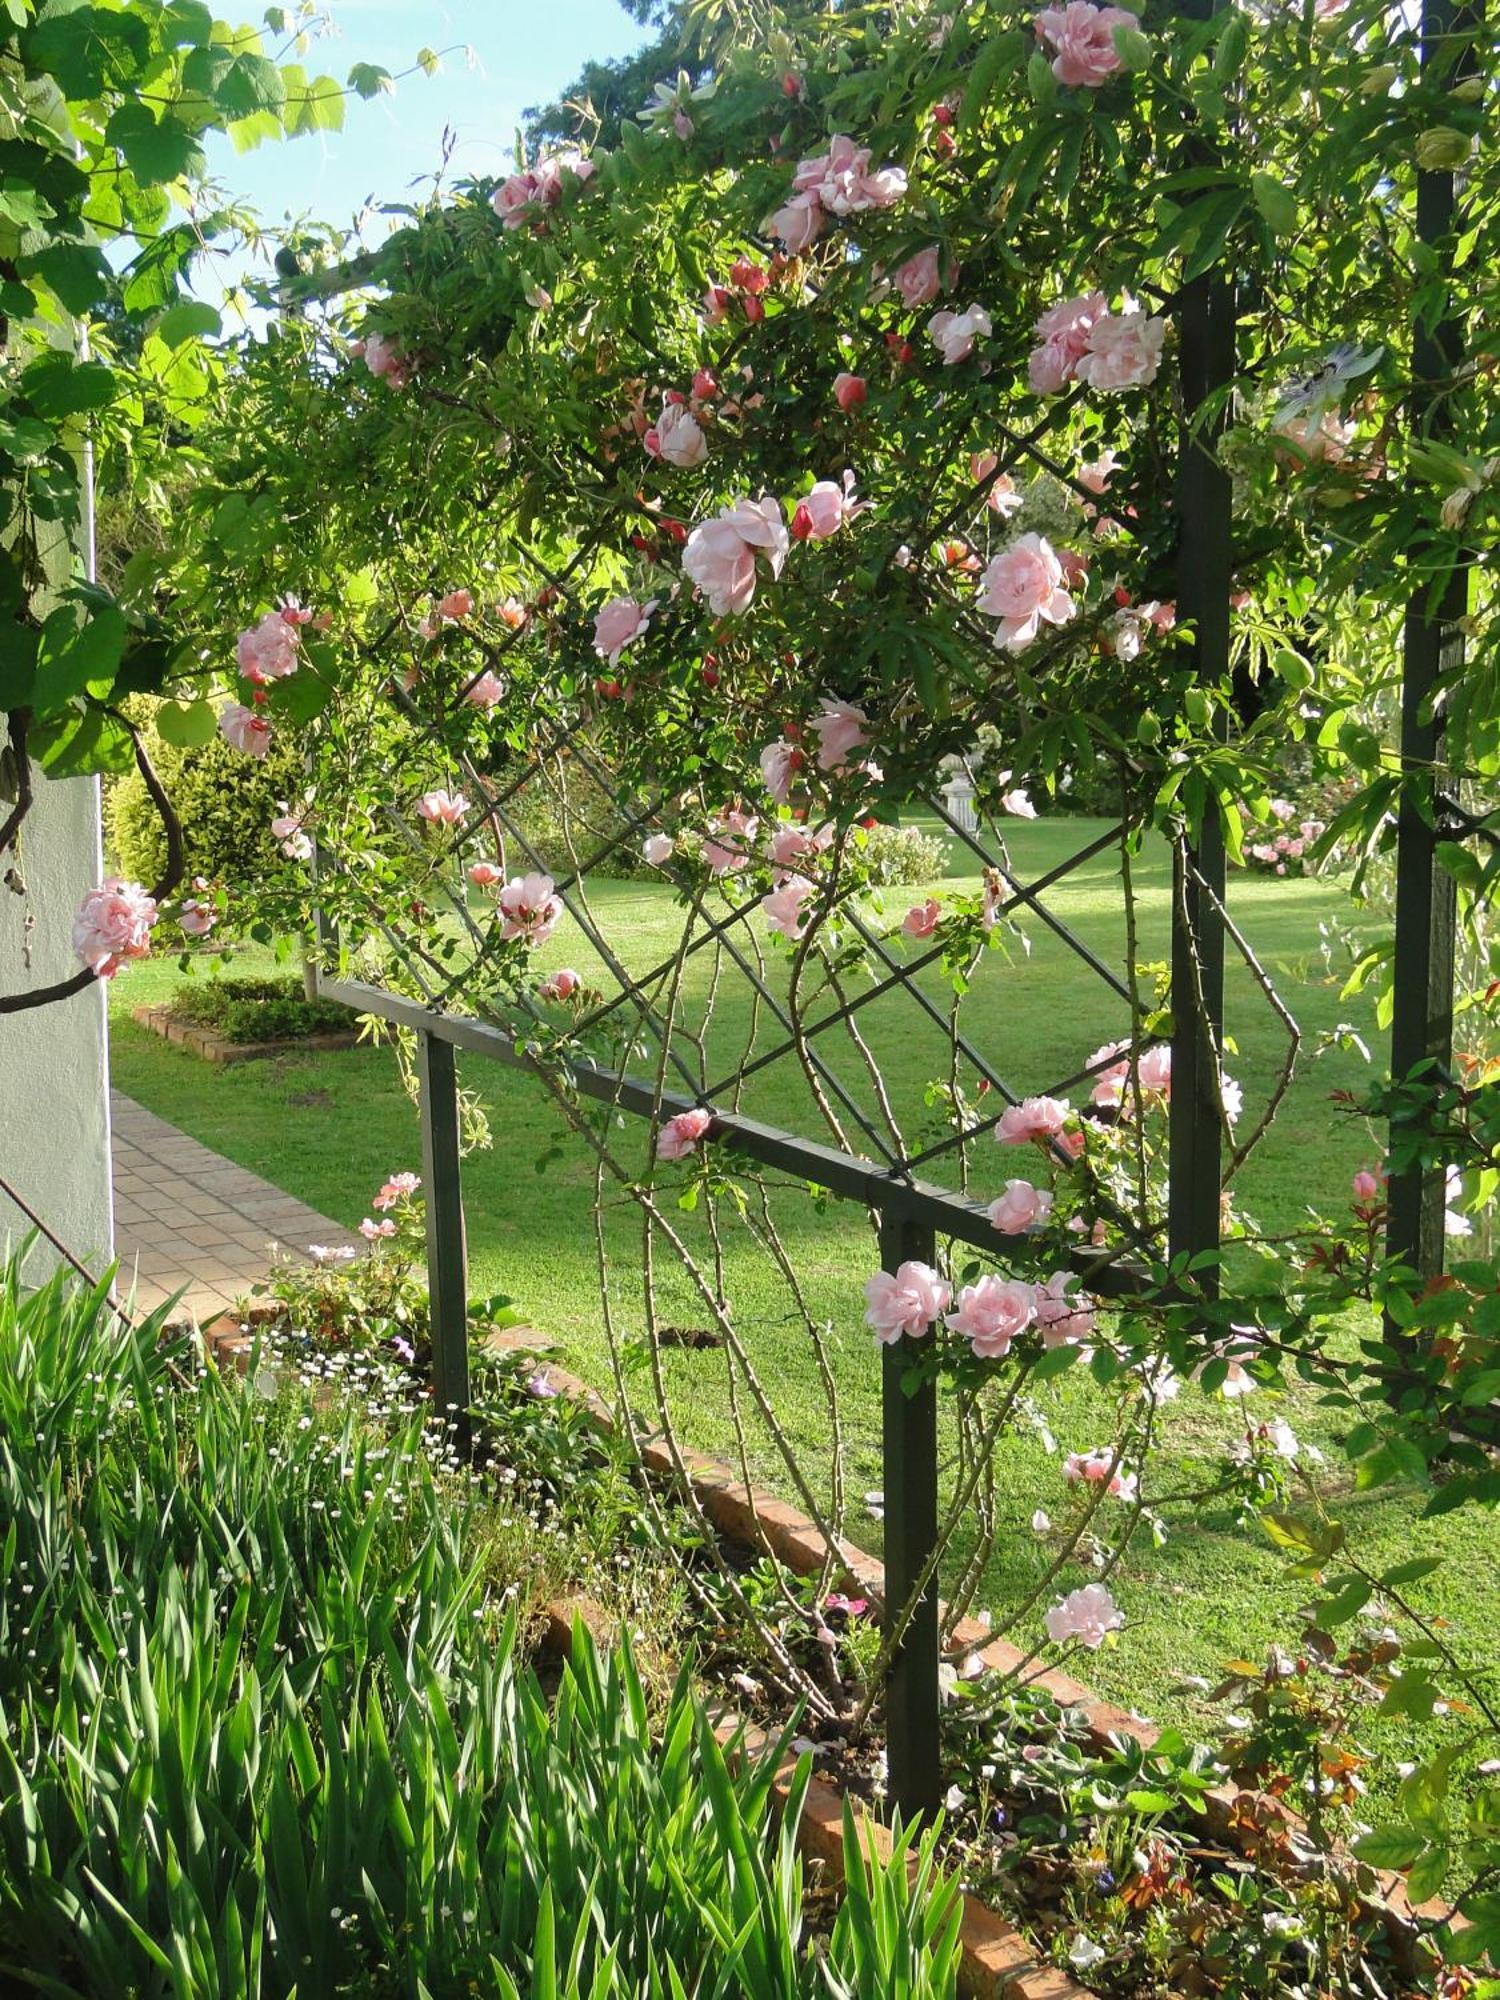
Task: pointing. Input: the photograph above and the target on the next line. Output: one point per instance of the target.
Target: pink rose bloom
(560, 985)
(841, 729)
(1018, 804)
(677, 436)
(1312, 830)
(197, 918)
(1081, 37)
(530, 908)
(779, 765)
(396, 1189)
(292, 613)
(1022, 587)
(524, 197)
(442, 808)
(678, 1137)
(455, 605)
(1090, 1614)
(289, 828)
(824, 510)
(1366, 1185)
(728, 856)
(920, 278)
(1063, 331)
(113, 925)
(1154, 1068)
(268, 651)
(1021, 1207)
(798, 223)
(484, 874)
(992, 1313)
(849, 390)
(244, 729)
(720, 554)
(841, 182)
(1233, 1096)
(954, 334)
(1032, 1118)
(1321, 439)
(658, 848)
(1002, 496)
(907, 1303)
(372, 1231)
(922, 919)
(784, 908)
(486, 691)
(1124, 350)
(792, 844)
(385, 360)
(1065, 1320)
(622, 621)
(1098, 1468)
(1096, 473)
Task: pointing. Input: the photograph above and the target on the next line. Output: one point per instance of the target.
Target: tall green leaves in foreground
(265, 1730)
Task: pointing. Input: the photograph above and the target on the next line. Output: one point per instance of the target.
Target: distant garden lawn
(329, 1128)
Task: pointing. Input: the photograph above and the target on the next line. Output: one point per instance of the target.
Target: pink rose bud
(849, 391)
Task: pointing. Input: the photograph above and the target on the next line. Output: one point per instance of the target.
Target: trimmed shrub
(225, 800)
(258, 1010)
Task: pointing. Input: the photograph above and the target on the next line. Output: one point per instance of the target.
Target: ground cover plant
(269, 1726)
(257, 1010)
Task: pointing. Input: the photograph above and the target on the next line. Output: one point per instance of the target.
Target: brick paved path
(188, 1219)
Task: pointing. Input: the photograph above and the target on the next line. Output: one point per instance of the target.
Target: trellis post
(447, 1255)
(1204, 568)
(909, 1452)
(1433, 648)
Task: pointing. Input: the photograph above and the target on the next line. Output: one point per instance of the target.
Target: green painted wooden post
(909, 1451)
(447, 1255)
(1433, 648)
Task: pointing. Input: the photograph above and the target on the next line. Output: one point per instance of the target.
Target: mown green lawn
(330, 1128)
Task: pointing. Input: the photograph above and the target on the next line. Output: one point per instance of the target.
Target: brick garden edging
(214, 1048)
(997, 1965)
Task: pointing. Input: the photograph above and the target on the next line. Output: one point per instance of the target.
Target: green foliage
(225, 801)
(258, 1010)
(901, 856)
(268, 1731)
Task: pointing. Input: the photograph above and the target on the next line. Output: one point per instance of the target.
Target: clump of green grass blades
(265, 1730)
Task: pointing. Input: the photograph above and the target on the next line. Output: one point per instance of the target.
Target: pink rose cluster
(268, 650)
(1082, 39)
(681, 1135)
(398, 1188)
(990, 1313)
(1081, 340)
(1111, 1068)
(1024, 587)
(526, 197)
(113, 925)
(720, 554)
(839, 182)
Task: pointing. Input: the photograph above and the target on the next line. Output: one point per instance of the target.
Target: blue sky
(520, 53)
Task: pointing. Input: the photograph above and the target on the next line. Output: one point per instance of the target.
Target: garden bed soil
(998, 1962)
(216, 1048)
